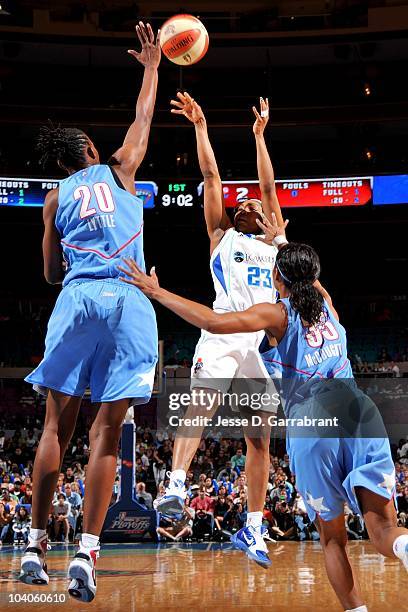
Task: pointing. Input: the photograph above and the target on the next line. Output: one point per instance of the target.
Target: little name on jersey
(100, 221)
(326, 352)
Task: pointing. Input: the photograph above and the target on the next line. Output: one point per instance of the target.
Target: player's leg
(250, 538)
(333, 538)
(380, 518)
(61, 415)
(204, 403)
(104, 440)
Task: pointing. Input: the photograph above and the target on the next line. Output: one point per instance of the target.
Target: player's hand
(262, 118)
(150, 54)
(271, 230)
(187, 106)
(147, 284)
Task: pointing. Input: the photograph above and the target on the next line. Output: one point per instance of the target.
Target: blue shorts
(327, 471)
(102, 334)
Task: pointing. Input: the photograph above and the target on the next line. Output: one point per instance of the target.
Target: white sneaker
(172, 502)
(82, 573)
(33, 566)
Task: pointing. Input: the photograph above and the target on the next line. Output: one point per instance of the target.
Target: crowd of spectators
(216, 484)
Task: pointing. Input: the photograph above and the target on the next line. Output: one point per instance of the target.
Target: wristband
(279, 240)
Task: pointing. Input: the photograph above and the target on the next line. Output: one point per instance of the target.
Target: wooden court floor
(133, 577)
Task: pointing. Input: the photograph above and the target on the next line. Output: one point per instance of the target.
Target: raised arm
(256, 318)
(216, 218)
(52, 251)
(266, 175)
(131, 154)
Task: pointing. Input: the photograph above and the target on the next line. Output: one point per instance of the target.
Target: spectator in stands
(284, 520)
(61, 511)
(228, 473)
(17, 492)
(402, 451)
(143, 497)
(204, 514)
(233, 518)
(211, 487)
(21, 525)
(75, 501)
(7, 512)
(238, 460)
(28, 495)
(221, 507)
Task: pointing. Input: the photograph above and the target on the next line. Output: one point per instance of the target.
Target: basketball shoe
(251, 541)
(82, 573)
(33, 565)
(172, 502)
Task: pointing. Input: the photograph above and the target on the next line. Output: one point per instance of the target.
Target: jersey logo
(198, 365)
(238, 256)
(315, 335)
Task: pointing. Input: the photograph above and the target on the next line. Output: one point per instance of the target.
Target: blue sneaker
(251, 542)
(172, 502)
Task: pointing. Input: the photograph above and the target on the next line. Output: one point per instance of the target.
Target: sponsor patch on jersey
(239, 256)
(198, 365)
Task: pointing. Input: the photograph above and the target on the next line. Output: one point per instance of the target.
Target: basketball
(184, 40)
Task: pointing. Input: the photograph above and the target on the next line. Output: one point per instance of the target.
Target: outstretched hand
(150, 54)
(147, 284)
(262, 118)
(271, 230)
(187, 106)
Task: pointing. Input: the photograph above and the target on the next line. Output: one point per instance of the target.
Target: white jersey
(241, 267)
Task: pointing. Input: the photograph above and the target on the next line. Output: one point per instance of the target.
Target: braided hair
(299, 266)
(64, 145)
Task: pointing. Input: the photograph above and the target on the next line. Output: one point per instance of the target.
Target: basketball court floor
(207, 576)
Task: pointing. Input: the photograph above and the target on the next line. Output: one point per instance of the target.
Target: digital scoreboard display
(332, 192)
(187, 194)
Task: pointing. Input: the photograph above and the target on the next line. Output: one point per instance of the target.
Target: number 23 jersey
(241, 267)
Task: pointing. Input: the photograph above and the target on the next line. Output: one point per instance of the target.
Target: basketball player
(99, 336)
(312, 346)
(241, 268)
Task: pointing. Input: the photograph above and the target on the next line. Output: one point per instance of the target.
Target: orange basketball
(184, 39)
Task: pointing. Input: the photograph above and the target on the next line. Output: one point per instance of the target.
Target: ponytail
(307, 301)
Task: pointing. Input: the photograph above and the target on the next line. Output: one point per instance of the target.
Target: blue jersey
(99, 223)
(307, 354)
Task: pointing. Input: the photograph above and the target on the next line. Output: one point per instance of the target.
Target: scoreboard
(187, 194)
(334, 192)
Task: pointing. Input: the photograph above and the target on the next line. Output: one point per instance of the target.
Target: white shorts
(221, 358)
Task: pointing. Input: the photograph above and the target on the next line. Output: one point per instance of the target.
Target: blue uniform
(328, 469)
(102, 333)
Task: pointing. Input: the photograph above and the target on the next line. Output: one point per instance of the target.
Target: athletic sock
(359, 609)
(89, 541)
(36, 534)
(177, 475)
(400, 546)
(254, 519)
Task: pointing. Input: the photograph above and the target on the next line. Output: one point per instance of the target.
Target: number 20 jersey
(99, 223)
(242, 267)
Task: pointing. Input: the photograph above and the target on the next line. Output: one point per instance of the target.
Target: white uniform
(241, 267)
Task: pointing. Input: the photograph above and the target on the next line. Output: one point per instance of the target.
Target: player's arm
(256, 318)
(52, 251)
(327, 297)
(131, 154)
(266, 175)
(216, 218)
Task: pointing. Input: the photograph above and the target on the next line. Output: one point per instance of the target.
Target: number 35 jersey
(99, 223)
(241, 267)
